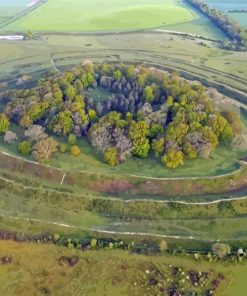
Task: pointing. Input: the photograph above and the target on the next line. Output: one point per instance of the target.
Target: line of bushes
(211, 252)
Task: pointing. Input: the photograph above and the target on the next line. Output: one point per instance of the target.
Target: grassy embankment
(68, 208)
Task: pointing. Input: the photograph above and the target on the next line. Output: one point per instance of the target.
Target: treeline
(232, 29)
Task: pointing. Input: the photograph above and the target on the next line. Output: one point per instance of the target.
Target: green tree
(93, 243)
(63, 147)
(25, 147)
(62, 123)
(130, 71)
(138, 130)
(141, 147)
(78, 86)
(113, 117)
(129, 116)
(70, 92)
(169, 101)
(172, 159)
(190, 151)
(210, 136)
(72, 140)
(25, 121)
(4, 123)
(148, 94)
(38, 110)
(69, 76)
(91, 114)
(158, 147)
(218, 123)
(227, 133)
(141, 80)
(155, 130)
(111, 156)
(117, 75)
(176, 132)
(58, 97)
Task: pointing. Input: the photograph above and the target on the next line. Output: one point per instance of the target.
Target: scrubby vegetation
(56, 270)
(147, 112)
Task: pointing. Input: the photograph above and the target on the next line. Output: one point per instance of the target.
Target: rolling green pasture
(112, 15)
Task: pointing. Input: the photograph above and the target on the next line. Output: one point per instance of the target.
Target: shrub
(72, 139)
(111, 156)
(221, 250)
(93, 243)
(163, 246)
(25, 147)
(63, 148)
(173, 159)
(75, 150)
(4, 123)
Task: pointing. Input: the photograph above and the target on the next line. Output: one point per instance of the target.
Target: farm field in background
(228, 5)
(81, 16)
(240, 17)
(225, 5)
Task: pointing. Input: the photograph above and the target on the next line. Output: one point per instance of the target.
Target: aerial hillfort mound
(98, 116)
(125, 173)
(123, 111)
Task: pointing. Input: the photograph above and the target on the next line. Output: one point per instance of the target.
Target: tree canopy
(147, 112)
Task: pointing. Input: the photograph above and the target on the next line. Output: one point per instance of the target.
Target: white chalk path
(54, 66)
(11, 37)
(144, 234)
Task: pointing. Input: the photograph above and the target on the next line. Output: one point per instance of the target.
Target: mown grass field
(86, 16)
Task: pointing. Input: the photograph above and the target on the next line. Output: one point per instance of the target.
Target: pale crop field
(98, 15)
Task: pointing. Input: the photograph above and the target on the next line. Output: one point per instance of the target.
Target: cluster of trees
(231, 28)
(147, 111)
(150, 112)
